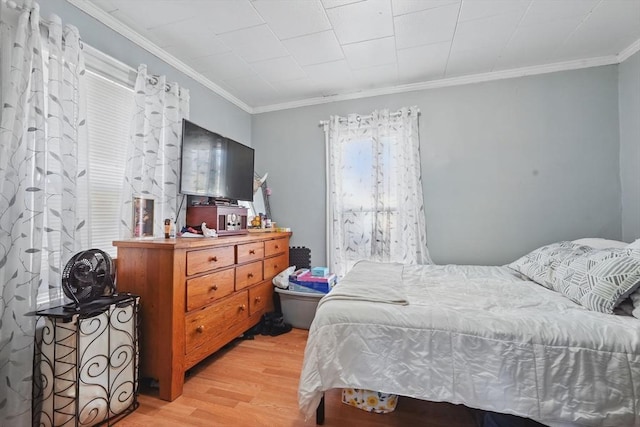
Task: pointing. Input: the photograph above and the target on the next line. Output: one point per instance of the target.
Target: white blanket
(372, 281)
(482, 337)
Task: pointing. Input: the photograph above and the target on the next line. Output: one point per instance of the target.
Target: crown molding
(454, 81)
(122, 29)
(630, 50)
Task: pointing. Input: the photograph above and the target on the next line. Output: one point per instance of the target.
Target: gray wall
(629, 101)
(507, 165)
(206, 108)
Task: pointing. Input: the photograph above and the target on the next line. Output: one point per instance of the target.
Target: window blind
(109, 112)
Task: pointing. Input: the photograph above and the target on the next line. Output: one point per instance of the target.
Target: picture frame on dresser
(143, 210)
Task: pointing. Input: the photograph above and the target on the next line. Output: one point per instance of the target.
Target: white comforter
(480, 336)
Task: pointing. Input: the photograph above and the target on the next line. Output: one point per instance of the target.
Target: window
(109, 106)
(374, 192)
(109, 111)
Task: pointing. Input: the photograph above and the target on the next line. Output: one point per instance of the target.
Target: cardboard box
(321, 284)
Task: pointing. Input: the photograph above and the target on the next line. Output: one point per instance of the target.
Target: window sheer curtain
(153, 157)
(375, 206)
(42, 181)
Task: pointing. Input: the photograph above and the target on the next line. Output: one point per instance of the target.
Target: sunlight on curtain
(375, 206)
(42, 180)
(153, 157)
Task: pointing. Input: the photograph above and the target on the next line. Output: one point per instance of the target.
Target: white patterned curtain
(375, 206)
(42, 143)
(153, 157)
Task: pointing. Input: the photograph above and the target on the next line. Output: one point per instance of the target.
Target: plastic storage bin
(299, 307)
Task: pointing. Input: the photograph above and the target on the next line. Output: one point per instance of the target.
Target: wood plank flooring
(255, 383)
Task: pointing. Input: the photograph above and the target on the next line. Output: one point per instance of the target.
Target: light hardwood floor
(255, 383)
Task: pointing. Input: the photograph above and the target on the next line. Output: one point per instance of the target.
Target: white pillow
(634, 245)
(598, 243)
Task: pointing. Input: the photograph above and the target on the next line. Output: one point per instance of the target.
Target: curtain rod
(21, 8)
(359, 117)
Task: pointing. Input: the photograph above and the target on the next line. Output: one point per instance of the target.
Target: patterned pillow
(537, 264)
(598, 280)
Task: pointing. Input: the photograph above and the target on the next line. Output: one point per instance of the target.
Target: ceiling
(266, 55)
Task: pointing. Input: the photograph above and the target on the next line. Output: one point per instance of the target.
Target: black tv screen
(215, 166)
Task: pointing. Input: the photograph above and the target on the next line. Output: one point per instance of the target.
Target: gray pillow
(598, 280)
(537, 265)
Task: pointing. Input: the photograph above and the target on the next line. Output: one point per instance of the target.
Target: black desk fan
(88, 276)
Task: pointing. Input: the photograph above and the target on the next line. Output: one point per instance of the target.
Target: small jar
(167, 228)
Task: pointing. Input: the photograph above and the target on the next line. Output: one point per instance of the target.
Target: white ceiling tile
(370, 53)
(299, 88)
(543, 11)
(622, 16)
(328, 4)
(278, 69)
(467, 62)
(236, 43)
(225, 15)
(478, 9)
(426, 27)
(331, 75)
(402, 7)
(146, 13)
(222, 66)
(106, 5)
(254, 44)
(192, 35)
(378, 76)
(314, 48)
(292, 18)
(362, 21)
(422, 63)
(618, 19)
(491, 33)
(534, 44)
(252, 88)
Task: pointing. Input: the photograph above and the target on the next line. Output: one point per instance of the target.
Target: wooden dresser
(196, 295)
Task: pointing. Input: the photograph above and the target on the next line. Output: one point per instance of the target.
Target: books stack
(304, 279)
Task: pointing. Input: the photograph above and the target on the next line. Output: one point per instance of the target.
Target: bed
(486, 337)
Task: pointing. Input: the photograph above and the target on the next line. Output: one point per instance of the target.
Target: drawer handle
(213, 259)
(200, 329)
(275, 266)
(214, 288)
(243, 307)
(252, 252)
(258, 299)
(277, 247)
(250, 275)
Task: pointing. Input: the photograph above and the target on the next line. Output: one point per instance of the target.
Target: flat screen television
(215, 166)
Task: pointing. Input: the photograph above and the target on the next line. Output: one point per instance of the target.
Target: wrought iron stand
(85, 366)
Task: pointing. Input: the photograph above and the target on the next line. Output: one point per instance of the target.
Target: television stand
(225, 219)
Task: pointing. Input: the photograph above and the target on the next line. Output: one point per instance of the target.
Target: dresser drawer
(260, 299)
(202, 327)
(248, 274)
(205, 289)
(277, 246)
(209, 259)
(249, 252)
(275, 265)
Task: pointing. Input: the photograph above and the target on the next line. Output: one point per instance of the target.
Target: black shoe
(279, 327)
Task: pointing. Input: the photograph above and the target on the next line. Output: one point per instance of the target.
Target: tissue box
(319, 271)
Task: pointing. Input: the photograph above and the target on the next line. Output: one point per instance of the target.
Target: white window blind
(109, 112)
